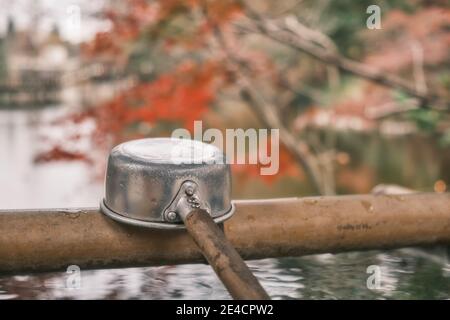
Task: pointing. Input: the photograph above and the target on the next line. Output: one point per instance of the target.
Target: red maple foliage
(180, 95)
(58, 153)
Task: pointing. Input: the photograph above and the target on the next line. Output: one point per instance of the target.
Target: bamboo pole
(222, 257)
(45, 240)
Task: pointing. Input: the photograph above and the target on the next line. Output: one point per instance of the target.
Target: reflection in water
(25, 185)
(341, 276)
(405, 274)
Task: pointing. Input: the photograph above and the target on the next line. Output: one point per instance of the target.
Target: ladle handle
(223, 257)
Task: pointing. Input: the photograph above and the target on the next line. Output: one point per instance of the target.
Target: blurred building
(31, 60)
(32, 66)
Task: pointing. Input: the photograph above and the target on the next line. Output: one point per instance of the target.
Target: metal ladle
(175, 184)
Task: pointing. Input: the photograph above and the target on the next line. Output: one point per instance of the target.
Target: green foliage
(444, 141)
(425, 119)
(3, 66)
(343, 20)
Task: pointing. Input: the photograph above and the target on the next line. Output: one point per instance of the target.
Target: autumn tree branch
(268, 115)
(283, 35)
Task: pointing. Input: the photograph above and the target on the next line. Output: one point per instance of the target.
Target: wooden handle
(223, 257)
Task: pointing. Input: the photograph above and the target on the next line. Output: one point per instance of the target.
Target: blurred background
(361, 98)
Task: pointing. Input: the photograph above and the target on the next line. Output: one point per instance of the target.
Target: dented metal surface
(144, 176)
